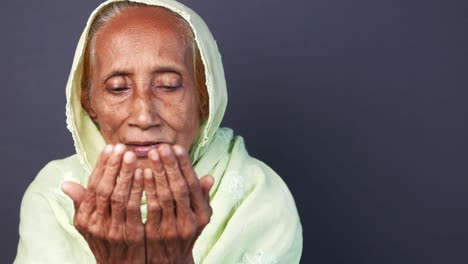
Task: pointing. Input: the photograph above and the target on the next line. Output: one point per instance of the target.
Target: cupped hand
(107, 213)
(178, 205)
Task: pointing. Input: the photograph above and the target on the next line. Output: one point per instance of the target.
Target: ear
(86, 104)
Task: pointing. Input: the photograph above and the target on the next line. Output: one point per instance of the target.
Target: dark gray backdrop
(359, 105)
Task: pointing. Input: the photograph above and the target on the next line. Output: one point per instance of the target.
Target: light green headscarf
(254, 215)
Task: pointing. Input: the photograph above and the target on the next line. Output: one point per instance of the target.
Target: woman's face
(143, 90)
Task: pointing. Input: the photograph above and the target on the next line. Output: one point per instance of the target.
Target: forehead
(154, 31)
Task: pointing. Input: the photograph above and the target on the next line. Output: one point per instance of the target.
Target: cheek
(109, 119)
(183, 116)
(193, 120)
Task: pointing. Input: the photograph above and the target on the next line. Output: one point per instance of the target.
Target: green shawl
(254, 215)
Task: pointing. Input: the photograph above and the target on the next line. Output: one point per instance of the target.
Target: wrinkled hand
(178, 205)
(107, 214)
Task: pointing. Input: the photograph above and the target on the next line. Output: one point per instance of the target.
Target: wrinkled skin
(146, 106)
(107, 214)
(143, 85)
(178, 206)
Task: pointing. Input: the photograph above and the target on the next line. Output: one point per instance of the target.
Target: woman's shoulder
(267, 182)
(45, 194)
(244, 175)
(46, 217)
(256, 204)
(55, 172)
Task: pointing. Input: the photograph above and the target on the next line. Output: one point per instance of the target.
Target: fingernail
(179, 150)
(119, 149)
(166, 150)
(138, 173)
(148, 173)
(129, 157)
(108, 149)
(153, 155)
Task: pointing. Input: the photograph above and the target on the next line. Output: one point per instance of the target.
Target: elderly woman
(145, 99)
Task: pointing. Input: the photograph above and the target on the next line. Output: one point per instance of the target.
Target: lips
(142, 149)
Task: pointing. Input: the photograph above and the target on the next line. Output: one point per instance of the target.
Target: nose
(144, 113)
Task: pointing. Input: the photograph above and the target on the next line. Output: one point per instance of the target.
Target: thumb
(75, 191)
(206, 182)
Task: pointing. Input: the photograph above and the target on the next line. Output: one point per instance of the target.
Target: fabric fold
(254, 219)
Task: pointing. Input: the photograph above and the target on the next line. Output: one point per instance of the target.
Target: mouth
(141, 149)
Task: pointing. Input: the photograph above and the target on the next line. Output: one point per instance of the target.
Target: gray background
(359, 105)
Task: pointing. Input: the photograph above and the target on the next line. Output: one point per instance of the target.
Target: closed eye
(167, 87)
(118, 89)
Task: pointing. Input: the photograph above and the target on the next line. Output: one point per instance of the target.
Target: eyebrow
(115, 74)
(168, 69)
(164, 69)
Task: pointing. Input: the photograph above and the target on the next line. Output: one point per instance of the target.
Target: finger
(176, 181)
(122, 190)
(133, 213)
(199, 189)
(163, 190)
(154, 208)
(83, 213)
(206, 182)
(198, 195)
(106, 184)
(75, 191)
(186, 220)
(83, 210)
(89, 203)
(99, 168)
(168, 225)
